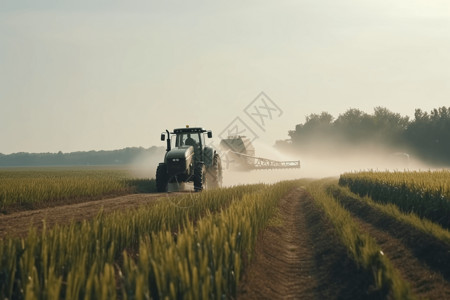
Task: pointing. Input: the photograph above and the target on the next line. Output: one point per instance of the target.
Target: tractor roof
(189, 130)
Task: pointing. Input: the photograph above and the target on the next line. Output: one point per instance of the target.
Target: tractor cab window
(188, 139)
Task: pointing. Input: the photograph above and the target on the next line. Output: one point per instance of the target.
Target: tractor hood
(180, 153)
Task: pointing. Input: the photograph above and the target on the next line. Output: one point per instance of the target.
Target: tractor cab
(189, 137)
(186, 137)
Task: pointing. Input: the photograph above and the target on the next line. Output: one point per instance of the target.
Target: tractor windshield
(188, 139)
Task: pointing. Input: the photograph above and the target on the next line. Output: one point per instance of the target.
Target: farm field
(310, 239)
(32, 188)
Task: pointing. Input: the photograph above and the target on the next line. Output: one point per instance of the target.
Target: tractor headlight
(176, 159)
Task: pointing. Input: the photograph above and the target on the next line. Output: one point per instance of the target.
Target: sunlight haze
(93, 75)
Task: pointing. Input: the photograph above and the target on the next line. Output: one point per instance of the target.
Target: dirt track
(18, 224)
(302, 259)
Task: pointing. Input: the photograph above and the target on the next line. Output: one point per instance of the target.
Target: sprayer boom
(239, 150)
(261, 163)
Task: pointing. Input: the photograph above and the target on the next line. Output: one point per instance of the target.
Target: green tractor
(188, 159)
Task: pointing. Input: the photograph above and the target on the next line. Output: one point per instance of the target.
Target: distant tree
(315, 127)
(429, 134)
(354, 126)
(389, 126)
(315, 121)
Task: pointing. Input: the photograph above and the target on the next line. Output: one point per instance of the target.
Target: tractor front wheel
(161, 178)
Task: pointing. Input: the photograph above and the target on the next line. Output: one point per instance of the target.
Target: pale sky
(100, 75)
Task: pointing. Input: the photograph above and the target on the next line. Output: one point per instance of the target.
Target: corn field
(192, 245)
(199, 245)
(29, 188)
(426, 194)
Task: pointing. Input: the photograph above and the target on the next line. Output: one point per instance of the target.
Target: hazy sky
(91, 75)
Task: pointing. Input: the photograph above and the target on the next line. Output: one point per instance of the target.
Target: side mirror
(163, 137)
(209, 134)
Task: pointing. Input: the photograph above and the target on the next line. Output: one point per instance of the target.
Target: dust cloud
(325, 162)
(320, 162)
(145, 164)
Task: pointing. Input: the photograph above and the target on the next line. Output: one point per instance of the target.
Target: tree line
(427, 136)
(81, 158)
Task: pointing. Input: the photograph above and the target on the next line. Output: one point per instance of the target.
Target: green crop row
(426, 194)
(344, 195)
(361, 246)
(30, 188)
(205, 261)
(191, 245)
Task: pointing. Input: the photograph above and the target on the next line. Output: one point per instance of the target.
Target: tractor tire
(199, 177)
(161, 178)
(215, 173)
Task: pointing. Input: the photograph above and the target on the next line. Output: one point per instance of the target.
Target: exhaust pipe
(168, 141)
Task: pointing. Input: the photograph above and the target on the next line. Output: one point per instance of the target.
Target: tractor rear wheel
(161, 178)
(215, 173)
(199, 177)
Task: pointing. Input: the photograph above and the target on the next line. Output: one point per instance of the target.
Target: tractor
(188, 159)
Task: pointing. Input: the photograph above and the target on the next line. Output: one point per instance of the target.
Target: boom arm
(261, 163)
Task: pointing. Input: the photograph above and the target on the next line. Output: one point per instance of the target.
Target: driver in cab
(190, 141)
